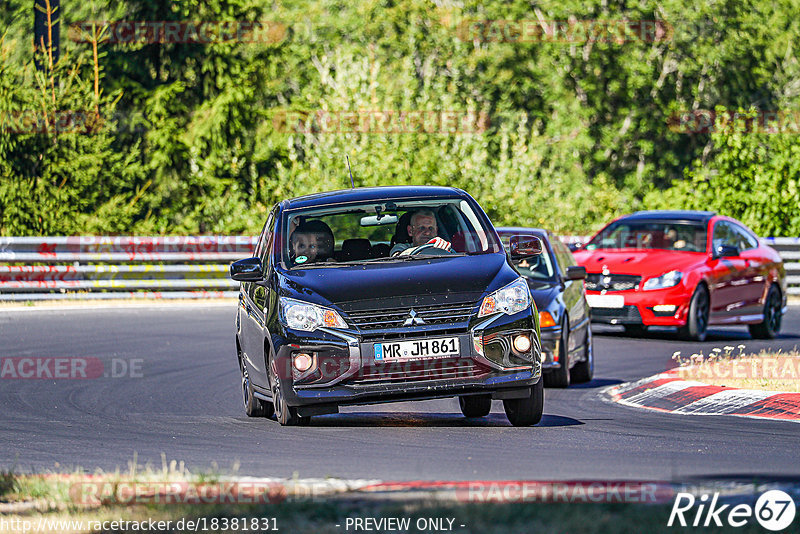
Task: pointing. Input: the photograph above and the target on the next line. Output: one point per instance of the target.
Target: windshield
(385, 231)
(663, 235)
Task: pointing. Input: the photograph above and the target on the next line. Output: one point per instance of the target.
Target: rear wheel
(773, 316)
(527, 411)
(697, 321)
(285, 414)
(475, 405)
(559, 376)
(584, 370)
(253, 406)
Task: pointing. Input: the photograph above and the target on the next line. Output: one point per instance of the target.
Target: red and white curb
(668, 392)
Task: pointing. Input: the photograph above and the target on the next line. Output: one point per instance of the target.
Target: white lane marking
(660, 391)
(724, 402)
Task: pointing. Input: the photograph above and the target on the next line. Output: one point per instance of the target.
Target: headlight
(510, 299)
(669, 279)
(305, 316)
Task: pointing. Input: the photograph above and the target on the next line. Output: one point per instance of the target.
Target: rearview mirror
(726, 251)
(576, 272)
(375, 220)
(247, 270)
(522, 247)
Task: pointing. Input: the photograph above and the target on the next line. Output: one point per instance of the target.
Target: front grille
(437, 314)
(624, 315)
(611, 282)
(419, 370)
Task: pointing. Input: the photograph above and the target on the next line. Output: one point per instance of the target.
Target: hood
(637, 262)
(429, 280)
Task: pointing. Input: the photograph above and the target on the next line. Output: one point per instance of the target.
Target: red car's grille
(611, 282)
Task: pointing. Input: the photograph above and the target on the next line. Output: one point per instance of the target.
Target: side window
(564, 256)
(745, 239)
(724, 235)
(266, 239)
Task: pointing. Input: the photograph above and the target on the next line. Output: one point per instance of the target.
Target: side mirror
(247, 270)
(522, 247)
(726, 251)
(574, 246)
(576, 272)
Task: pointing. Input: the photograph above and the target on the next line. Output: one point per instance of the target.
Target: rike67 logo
(774, 510)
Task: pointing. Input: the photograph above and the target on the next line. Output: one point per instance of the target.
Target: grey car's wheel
(773, 316)
(697, 321)
(475, 405)
(285, 414)
(526, 411)
(559, 377)
(583, 371)
(253, 406)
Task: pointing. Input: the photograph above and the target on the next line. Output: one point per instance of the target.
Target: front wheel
(584, 369)
(475, 405)
(773, 316)
(559, 376)
(285, 414)
(526, 411)
(697, 321)
(253, 406)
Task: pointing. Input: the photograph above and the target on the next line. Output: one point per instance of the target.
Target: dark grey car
(556, 283)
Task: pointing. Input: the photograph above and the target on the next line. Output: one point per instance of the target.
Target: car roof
(672, 215)
(540, 232)
(366, 194)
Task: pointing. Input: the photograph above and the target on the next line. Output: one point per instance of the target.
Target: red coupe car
(689, 269)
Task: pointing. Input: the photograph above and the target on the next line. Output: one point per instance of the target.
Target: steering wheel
(429, 250)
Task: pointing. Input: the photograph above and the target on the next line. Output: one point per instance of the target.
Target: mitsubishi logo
(413, 319)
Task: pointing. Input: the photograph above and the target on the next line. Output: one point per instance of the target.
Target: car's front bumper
(551, 345)
(346, 371)
(657, 307)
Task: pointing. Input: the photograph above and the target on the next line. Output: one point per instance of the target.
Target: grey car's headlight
(669, 279)
(305, 316)
(510, 299)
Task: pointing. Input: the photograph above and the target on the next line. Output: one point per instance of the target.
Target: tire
(773, 316)
(635, 330)
(285, 414)
(584, 369)
(527, 411)
(475, 405)
(253, 406)
(559, 376)
(697, 321)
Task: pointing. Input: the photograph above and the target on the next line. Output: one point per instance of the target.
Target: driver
(423, 230)
(311, 241)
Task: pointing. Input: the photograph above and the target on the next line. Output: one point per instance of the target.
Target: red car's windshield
(662, 235)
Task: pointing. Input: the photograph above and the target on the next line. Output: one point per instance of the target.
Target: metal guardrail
(176, 267)
(124, 267)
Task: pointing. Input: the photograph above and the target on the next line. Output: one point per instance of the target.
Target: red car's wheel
(697, 321)
(773, 316)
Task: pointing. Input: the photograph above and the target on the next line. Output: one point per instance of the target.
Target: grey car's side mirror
(247, 270)
(521, 247)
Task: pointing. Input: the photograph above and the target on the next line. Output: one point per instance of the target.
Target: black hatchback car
(556, 283)
(385, 294)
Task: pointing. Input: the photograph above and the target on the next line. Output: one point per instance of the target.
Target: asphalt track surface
(184, 402)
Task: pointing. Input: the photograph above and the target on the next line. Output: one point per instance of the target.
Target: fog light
(522, 343)
(302, 361)
(664, 308)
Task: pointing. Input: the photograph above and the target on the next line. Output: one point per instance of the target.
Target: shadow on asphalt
(452, 420)
(597, 383)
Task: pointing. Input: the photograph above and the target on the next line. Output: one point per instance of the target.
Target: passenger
(423, 230)
(311, 242)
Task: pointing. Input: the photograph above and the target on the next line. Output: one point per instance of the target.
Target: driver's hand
(438, 242)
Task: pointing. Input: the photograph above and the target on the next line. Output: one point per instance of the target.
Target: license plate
(419, 348)
(606, 301)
